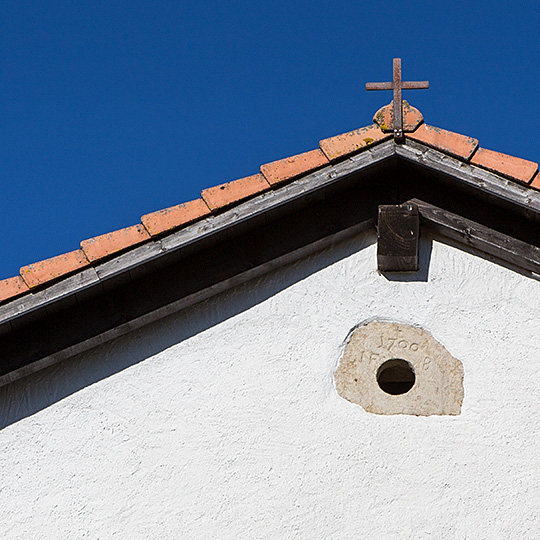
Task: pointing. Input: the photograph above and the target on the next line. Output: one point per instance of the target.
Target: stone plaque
(392, 368)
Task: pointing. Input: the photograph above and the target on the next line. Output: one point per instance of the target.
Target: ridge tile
(449, 142)
(174, 217)
(101, 246)
(347, 143)
(43, 271)
(515, 168)
(288, 168)
(384, 117)
(218, 197)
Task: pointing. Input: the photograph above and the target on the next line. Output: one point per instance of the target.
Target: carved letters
(438, 386)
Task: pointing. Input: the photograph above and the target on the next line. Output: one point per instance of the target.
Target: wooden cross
(397, 85)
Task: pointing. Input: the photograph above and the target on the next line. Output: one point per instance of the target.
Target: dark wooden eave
(455, 199)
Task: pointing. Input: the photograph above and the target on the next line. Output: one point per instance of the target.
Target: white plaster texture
(223, 421)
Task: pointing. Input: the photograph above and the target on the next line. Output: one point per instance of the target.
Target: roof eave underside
(369, 178)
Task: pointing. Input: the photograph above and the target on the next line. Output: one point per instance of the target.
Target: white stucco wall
(223, 421)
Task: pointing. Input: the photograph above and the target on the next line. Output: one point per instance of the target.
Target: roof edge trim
(477, 177)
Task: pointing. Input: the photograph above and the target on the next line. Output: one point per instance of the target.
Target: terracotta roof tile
(220, 196)
(451, 143)
(288, 168)
(175, 216)
(347, 143)
(107, 244)
(49, 269)
(11, 287)
(384, 118)
(513, 167)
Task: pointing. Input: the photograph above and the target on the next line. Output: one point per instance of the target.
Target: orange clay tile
(451, 143)
(175, 216)
(285, 169)
(11, 287)
(107, 244)
(225, 194)
(347, 143)
(535, 181)
(384, 118)
(44, 271)
(513, 167)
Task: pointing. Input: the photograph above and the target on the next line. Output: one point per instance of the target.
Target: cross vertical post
(397, 85)
(398, 104)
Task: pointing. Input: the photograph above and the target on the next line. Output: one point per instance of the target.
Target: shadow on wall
(38, 391)
(424, 258)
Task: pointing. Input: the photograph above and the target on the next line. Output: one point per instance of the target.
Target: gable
(222, 419)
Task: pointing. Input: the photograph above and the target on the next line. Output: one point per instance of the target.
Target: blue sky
(113, 109)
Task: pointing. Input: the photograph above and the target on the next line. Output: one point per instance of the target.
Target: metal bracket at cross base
(397, 85)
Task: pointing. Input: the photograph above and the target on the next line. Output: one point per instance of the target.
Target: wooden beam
(502, 246)
(397, 238)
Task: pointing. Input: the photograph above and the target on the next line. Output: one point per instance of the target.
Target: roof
(430, 160)
(271, 176)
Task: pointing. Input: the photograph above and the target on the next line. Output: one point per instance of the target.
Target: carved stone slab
(435, 375)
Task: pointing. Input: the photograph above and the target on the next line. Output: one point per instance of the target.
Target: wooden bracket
(398, 231)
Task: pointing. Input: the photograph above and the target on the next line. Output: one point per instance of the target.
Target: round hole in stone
(396, 376)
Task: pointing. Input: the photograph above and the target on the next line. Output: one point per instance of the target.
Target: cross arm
(379, 86)
(405, 85)
(413, 85)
